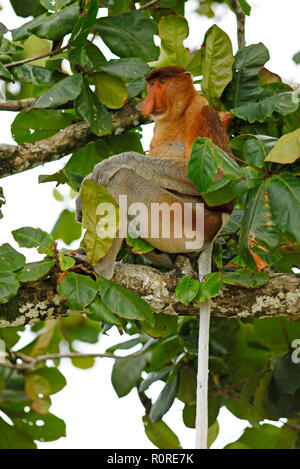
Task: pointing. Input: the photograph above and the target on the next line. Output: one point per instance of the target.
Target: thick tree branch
(240, 18)
(15, 159)
(16, 105)
(38, 300)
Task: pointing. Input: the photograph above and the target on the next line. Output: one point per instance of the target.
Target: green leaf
(252, 178)
(253, 148)
(9, 286)
(212, 433)
(5, 74)
(10, 259)
(65, 262)
(35, 270)
(153, 377)
(56, 25)
(78, 290)
(124, 303)
(23, 32)
(83, 160)
(38, 124)
(45, 380)
(160, 434)
(139, 245)
(28, 8)
(100, 312)
(126, 373)
(283, 103)
(246, 278)
(131, 68)
(244, 86)
(66, 227)
(35, 75)
(286, 208)
(164, 400)
(93, 112)
(97, 223)
(62, 92)
(187, 384)
(296, 58)
(243, 410)
(81, 30)
(245, 7)
(210, 287)
(287, 150)
(265, 437)
(259, 233)
(164, 351)
(54, 5)
(52, 427)
(186, 290)
(164, 325)
(129, 35)
(28, 237)
(194, 65)
(202, 168)
(173, 29)
(287, 375)
(216, 64)
(12, 438)
(110, 90)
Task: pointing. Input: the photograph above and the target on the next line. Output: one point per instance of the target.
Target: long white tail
(204, 264)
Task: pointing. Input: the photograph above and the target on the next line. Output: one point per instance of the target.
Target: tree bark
(37, 301)
(17, 158)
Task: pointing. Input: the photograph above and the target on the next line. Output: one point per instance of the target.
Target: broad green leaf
(9, 286)
(28, 237)
(35, 270)
(83, 160)
(221, 192)
(126, 373)
(189, 415)
(212, 434)
(164, 325)
(93, 111)
(54, 5)
(287, 375)
(285, 208)
(56, 25)
(265, 437)
(110, 90)
(10, 259)
(36, 75)
(139, 245)
(12, 438)
(52, 427)
(136, 87)
(253, 148)
(65, 262)
(80, 328)
(283, 103)
(244, 86)
(81, 30)
(100, 312)
(24, 32)
(66, 227)
(28, 8)
(186, 290)
(194, 65)
(242, 409)
(246, 278)
(259, 234)
(128, 344)
(287, 150)
(131, 68)
(5, 74)
(124, 303)
(216, 64)
(78, 290)
(202, 168)
(100, 217)
(38, 124)
(62, 92)
(164, 400)
(160, 434)
(164, 352)
(187, 384)
(245, 7)
(153, 377)
(129, 35)
(210, 287)
(173, 29)
(252, 178)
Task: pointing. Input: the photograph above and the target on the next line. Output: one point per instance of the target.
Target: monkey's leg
(140, 191)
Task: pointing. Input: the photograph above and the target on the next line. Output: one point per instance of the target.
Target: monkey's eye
(151, 82)
(162, 81)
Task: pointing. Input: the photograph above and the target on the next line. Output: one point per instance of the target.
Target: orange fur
(181, 114)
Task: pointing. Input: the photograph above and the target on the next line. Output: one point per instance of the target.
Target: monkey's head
(169, 91)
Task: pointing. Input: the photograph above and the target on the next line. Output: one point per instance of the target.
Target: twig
(32, 59)
(240, 18)
(16, 105)
(149, 4)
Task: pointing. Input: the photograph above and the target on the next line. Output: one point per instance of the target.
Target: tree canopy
(73, 98)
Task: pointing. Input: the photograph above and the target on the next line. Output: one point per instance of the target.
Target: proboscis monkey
(181, 114)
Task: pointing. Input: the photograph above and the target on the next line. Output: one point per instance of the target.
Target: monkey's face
(167, 95)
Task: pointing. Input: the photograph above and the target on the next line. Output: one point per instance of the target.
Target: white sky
(95, 416)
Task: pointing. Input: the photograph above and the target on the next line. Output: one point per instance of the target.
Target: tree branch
(16, 105)
(37, 57)
(39, 301)
(149, 4)
(17, 158)
(240, 18)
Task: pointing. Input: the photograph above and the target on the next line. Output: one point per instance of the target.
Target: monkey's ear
(188, 73)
